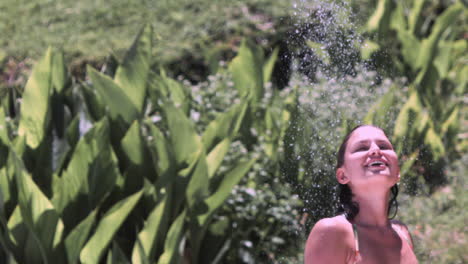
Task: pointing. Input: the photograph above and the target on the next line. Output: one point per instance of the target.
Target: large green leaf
(247, 73)
(380, 20)
(38, 214)
(415, 15)
(379, 112)
(132, 75)
(153, 234)
(433, 140)
(107, 227)
(270, 66)
(59, 72)
(226, 125)
(89, 177)
(429, 46)
(214, 201)
(77, 237)
(35, 103)
(161, 154)
(163, 86)
(171, 253)
(197, 188)
(116, 255)
(402, 124)
(216, 156)
(410, 48)
(183, 136)
(4, 138)
(119, 105)
(132, 144)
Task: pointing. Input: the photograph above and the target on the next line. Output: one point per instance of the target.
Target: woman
(367, 171)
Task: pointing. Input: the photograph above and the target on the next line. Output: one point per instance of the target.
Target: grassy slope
(95, 28)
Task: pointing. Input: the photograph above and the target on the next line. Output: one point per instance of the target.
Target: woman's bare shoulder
(403, 228)
(329, 240)
(334, 225)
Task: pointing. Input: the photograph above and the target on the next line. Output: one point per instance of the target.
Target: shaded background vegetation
(401, 65)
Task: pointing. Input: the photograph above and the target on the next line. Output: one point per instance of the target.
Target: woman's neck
(373, 209)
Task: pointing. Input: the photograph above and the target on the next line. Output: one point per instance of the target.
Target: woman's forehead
(367, 133)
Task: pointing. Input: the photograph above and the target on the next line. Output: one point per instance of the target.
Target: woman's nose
(374, 150)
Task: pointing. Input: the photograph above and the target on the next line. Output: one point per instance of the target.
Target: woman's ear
(341, 176)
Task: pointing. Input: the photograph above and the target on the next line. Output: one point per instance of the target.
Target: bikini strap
(356, 242)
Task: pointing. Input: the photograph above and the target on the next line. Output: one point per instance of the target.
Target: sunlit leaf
(214, 201)
(270, 65)
(226, 125)
(118, 103)
(77, 237)
(106, 229)
(380, 20)
(368, 48)
(247, 73)
(153, 234)
(433, 140)
(91, 173)
(38, 213)
(183, 136)
(132, 75)
(171, 253)
(35, 102)
(216, 156)
(59, 72)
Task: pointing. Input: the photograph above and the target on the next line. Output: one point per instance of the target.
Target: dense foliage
(233, 160)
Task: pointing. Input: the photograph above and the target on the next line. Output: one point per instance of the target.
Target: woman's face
(369, 157)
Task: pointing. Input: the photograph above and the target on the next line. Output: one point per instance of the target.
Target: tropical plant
(100, 170)
(427, 127)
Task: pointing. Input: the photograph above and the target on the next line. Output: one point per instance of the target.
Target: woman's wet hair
(346, 205)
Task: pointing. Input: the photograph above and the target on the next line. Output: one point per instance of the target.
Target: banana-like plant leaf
(119, 104)
(132, 144)
(141, 256)
(197, 188)
(171, 253)
(162, 156)
(226, 125)
(429, 45)
(95, 105)
(433, 140)
(415, 15)
(216, 156)
(77, 237)
(247, 73)
(4, 138)
(132, 75)
(270, 66)
(402, 124)
(405, 168)
(90, 176)
(379, 112)
(213, 202)
(398, 20)
(43, 222)
(380, 20)
(183, 136)
(35, 103)
(116, 255)
(410, 48)
(451, 123)
(369, 48)
(59, 72)
(162, 85)
(106, 229)
(151, 238)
